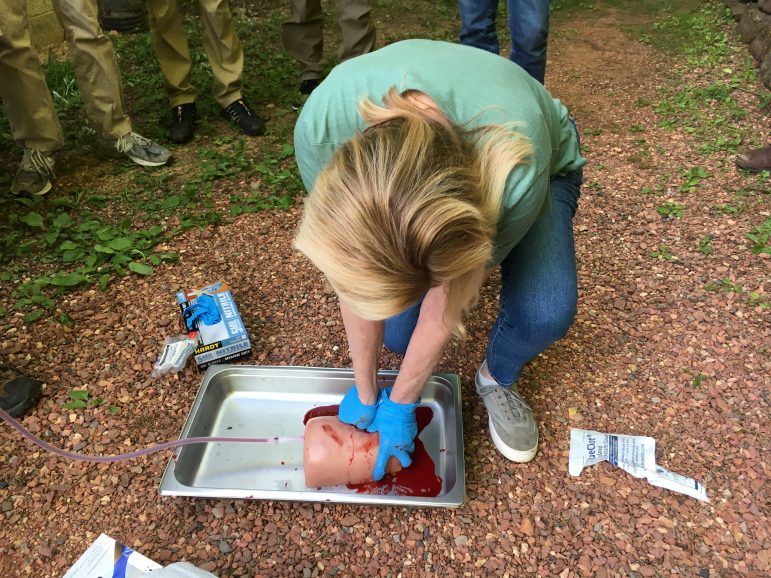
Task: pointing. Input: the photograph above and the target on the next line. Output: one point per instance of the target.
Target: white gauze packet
(633, 454)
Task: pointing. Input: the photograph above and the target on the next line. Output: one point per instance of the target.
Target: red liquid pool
(419, 479)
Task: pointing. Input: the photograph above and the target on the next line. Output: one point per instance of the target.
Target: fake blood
(419, 479)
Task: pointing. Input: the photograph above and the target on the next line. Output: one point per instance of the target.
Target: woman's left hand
(397, 426)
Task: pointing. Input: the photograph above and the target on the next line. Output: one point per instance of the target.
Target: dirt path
(652, 352)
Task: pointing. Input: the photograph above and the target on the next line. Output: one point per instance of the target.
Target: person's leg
(223, 49)
(303, 38)
(538, 287)
(399, 329)
(529, 29)
(357, 28)
(171, 48)
(538, 302)
(26, 98)
(477, 24)
(95, 67)
(27, 101)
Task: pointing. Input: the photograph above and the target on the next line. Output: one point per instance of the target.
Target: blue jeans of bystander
(528, 26)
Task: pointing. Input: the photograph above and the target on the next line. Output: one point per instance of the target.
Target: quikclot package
(212, 313)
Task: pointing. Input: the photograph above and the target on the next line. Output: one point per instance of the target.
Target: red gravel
(645, 329)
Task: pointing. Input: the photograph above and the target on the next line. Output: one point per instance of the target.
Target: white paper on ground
(634, 454)
(179, 570)
(107, 558)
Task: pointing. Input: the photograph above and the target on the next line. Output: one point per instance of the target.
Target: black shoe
(182, 122)
(244, 118)
(19, 394)
(308, 86)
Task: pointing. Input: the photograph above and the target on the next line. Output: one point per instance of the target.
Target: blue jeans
(528, 26)
(539, 290)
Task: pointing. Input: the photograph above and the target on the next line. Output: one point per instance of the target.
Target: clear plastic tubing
(135, 454)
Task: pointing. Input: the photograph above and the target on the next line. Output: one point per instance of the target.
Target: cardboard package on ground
(211, 311)
(106, 558)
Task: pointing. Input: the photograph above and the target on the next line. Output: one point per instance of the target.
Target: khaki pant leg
(26, 98)
(172, 49)
(223, 49)
(357, 28)
(95, 67)
(303, 37)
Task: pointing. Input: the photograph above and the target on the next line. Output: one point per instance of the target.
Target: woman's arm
(365, 339)
(426, 344)
(425, 349)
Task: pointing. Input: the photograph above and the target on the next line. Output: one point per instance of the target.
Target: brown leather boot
(18, 392)
(755, 161)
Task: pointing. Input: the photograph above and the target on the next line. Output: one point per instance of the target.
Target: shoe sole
(39, 193)
(44, 190)
(750, 168)
(146, 163)
(518, 456)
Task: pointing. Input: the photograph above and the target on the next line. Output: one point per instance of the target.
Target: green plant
(671, 210)
(705, 245)
(80, 398)
(726, 209)
(662, 253)
(760, 236)
(726, 285)
(692, 178)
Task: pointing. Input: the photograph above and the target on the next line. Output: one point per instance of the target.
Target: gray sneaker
(512, 425)
(139, 149)
(35, 173)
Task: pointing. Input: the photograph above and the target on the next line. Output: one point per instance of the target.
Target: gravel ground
(646, 328)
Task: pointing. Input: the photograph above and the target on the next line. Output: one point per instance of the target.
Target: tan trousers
(219, 41)
(303, 33)
(26, 97)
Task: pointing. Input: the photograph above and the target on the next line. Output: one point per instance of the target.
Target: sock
(484, 380)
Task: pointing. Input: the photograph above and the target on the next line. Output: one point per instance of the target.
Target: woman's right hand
(354, 412)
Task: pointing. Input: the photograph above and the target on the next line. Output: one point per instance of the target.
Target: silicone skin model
(338, 453)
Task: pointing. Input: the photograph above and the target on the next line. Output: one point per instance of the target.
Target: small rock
(270, 527)
(225, 547)
(527, 527)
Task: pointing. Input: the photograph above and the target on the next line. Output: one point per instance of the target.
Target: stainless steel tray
(262, 401)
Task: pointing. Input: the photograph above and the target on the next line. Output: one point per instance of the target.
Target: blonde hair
(410, 203)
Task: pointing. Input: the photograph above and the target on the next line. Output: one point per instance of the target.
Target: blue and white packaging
(211, 312)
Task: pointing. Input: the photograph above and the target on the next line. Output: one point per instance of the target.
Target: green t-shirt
(473, 88)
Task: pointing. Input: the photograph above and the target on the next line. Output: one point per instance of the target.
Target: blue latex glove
(398, 427)
(354, 412)
(203, 308)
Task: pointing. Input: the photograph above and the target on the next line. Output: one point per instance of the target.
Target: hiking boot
(18, 394)
(309, 85)
(35, 173)
(755, 161)
(182, 122)
(512, 425)
(244, 118)
(139, 149)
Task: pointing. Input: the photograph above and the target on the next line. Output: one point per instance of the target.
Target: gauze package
(634, 454)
